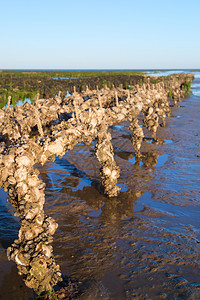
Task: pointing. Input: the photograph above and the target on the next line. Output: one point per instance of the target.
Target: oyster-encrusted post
(9, 101)
(151, 120)
(109, 170)
(32, 251)
(137, 135)
(39, 124)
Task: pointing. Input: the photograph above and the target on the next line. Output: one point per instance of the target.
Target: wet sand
(143, 244)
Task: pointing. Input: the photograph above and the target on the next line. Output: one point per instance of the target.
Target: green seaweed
(187, 85)
(51, 295)
(67, 74)
(155, 80)
(170, 93)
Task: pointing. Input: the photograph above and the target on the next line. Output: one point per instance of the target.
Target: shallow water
(143, 244)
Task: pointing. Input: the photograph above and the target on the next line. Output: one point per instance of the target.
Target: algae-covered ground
(22, 85)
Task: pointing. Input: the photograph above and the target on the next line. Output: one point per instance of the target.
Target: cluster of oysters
(35, 133)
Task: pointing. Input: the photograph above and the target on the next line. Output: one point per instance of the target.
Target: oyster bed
(112, 245)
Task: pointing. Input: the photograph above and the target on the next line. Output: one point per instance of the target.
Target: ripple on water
(196, 92)
(96, 213)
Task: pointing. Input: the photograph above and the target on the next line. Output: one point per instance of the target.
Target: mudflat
(142, 244)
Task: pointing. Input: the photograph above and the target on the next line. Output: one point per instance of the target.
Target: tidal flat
(142, 244)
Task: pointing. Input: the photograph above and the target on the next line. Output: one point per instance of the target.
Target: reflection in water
(112, 245)
(81, 240)
(120, 208)
(12, 286)
(150, 160)
(88, 251)
(90, 190)
(32, 251)
(147, 159)
(116, 208)
(91, 193)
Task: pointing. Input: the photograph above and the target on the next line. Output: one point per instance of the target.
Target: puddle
(61, 169)
(96, 213)
(3, 198)
(64, 78)
(123, 187)
(148, 206)
(21, 102)
(83, 183)
(168, 142)
(162, 159)
(146, 200)
(149, 141)
(68, 94)
(134, 161)
(123, 154)
(81, 151)
(178, 117)
(118, 127)
(151, 160)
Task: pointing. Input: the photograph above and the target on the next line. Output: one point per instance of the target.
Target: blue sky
(101, 34)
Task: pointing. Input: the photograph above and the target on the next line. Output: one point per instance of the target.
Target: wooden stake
(9, 101)
(116, 98)
(39, 124)
(100, 103)
(128, 98)
(76, 110)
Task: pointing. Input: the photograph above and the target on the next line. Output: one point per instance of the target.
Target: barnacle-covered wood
(104, 152)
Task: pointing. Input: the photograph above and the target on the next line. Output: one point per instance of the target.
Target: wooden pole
(116, 98)
(9, 100)
(100, 103)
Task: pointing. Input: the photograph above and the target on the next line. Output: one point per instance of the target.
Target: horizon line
(155, 69)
